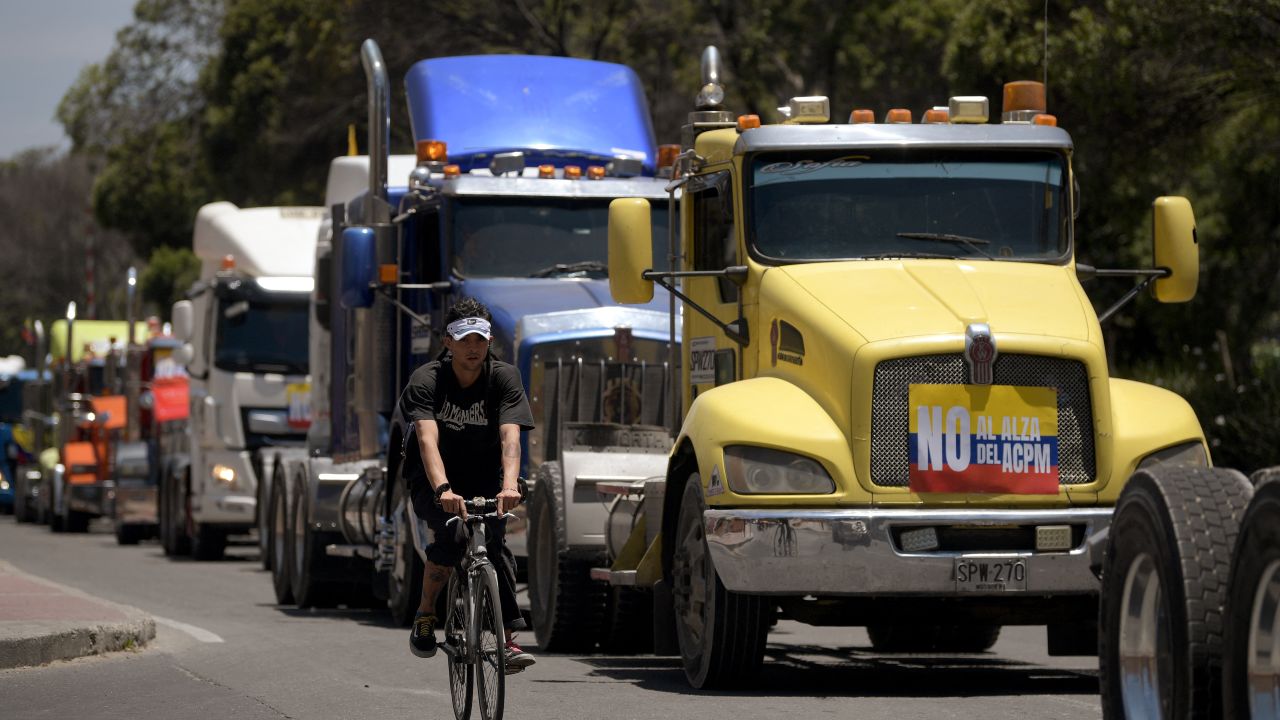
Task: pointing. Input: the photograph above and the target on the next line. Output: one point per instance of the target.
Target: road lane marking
(198, 633)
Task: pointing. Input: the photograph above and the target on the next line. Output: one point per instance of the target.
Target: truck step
(619, 486)
(363, 551)
(614, 577)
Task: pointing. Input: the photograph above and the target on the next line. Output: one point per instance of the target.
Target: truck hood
(885, 299)
(509, 299)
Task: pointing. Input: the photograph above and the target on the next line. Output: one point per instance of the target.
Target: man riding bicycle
(467, 409)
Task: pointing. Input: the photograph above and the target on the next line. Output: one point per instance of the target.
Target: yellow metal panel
(1147, 418)
(716, 146)
(94, 332)
(909, 298)
(769, 412)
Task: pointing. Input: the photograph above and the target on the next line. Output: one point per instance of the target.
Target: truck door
(711, 230)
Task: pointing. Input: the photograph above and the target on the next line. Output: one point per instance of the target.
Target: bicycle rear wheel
(491, 666)
(461, 672)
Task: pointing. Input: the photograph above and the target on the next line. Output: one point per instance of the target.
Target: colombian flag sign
(983, 439)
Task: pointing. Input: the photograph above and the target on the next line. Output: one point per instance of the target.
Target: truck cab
(245, 349)
(897, 406)
(516, 161)
(89, 413)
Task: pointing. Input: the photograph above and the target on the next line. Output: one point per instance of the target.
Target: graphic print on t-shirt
(454, 417)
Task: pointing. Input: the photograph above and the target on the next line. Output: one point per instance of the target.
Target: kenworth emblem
(979, 353)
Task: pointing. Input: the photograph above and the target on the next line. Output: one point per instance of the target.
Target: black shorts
(448, 543)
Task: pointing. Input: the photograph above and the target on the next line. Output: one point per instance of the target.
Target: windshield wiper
(905, 254)
(584, 266)
(970, 242)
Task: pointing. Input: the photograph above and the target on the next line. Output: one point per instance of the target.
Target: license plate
(990, 574)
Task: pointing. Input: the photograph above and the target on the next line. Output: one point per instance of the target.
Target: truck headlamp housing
(752, 470)
(1190, 454)
(224, 474)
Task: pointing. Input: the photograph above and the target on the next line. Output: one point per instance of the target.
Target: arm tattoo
(438, 574)
(511, 449)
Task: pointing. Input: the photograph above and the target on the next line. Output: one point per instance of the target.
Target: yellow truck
(897, 410)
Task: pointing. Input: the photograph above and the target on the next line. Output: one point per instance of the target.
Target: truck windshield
(813, 206)
(539, 237)
(262, 334)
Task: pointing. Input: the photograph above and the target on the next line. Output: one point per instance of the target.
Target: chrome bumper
(852, 552)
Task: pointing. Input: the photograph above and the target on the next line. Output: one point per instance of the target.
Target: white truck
(244, 331)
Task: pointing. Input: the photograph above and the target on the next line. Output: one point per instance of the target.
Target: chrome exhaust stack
(709, 112)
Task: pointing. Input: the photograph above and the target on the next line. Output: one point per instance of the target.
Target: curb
(30, 642)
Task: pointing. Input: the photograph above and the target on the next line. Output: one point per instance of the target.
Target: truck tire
(281, 542)
(208, 543)
(128, 534)
(22, 512)
(568, 607)
(78, 522)
(310, 588)
(1164, 586)
(1253, 600)
(262, 514)
(174, 507)
(975, 638)
(404, 582)
(721, 634)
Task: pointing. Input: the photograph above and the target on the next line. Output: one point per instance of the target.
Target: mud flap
(664, 621)
(1073, 639)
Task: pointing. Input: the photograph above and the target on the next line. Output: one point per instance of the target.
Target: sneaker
(517, 659)
(422, 638)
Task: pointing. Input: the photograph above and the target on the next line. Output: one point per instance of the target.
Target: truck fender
(787, 419)
(1145, 419)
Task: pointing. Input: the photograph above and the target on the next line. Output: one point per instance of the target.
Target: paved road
(224, 649)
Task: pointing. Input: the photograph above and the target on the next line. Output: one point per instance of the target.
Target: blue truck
(517, 160)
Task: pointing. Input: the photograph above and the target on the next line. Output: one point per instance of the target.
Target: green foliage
(169, 274)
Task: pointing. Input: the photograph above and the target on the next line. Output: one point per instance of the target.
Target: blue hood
(509, 299)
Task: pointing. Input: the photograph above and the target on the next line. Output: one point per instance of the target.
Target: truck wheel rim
(1264, 646)
(1144, 642)
(689, 583)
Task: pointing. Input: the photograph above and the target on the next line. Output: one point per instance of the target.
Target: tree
(170, 273)
(45, 233)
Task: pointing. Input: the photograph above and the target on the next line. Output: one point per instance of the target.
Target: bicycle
(474, 637)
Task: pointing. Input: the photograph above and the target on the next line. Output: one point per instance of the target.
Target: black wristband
(444, 488)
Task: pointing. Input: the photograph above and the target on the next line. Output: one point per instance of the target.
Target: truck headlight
(4, 482)
(1190, 454)
(224, 474)
(753, 470)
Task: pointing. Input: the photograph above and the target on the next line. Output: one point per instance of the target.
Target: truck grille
(890, 428)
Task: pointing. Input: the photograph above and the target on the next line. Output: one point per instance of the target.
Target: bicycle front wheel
(461, 672)
(490, 658)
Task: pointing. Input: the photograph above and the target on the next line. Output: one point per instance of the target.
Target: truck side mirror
(359, 261)
(1176, 249)
(183, 320)
(630, 250)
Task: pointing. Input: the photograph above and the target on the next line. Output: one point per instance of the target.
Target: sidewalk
(42, 621)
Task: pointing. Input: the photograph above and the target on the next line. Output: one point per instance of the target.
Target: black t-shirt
(468, 419)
